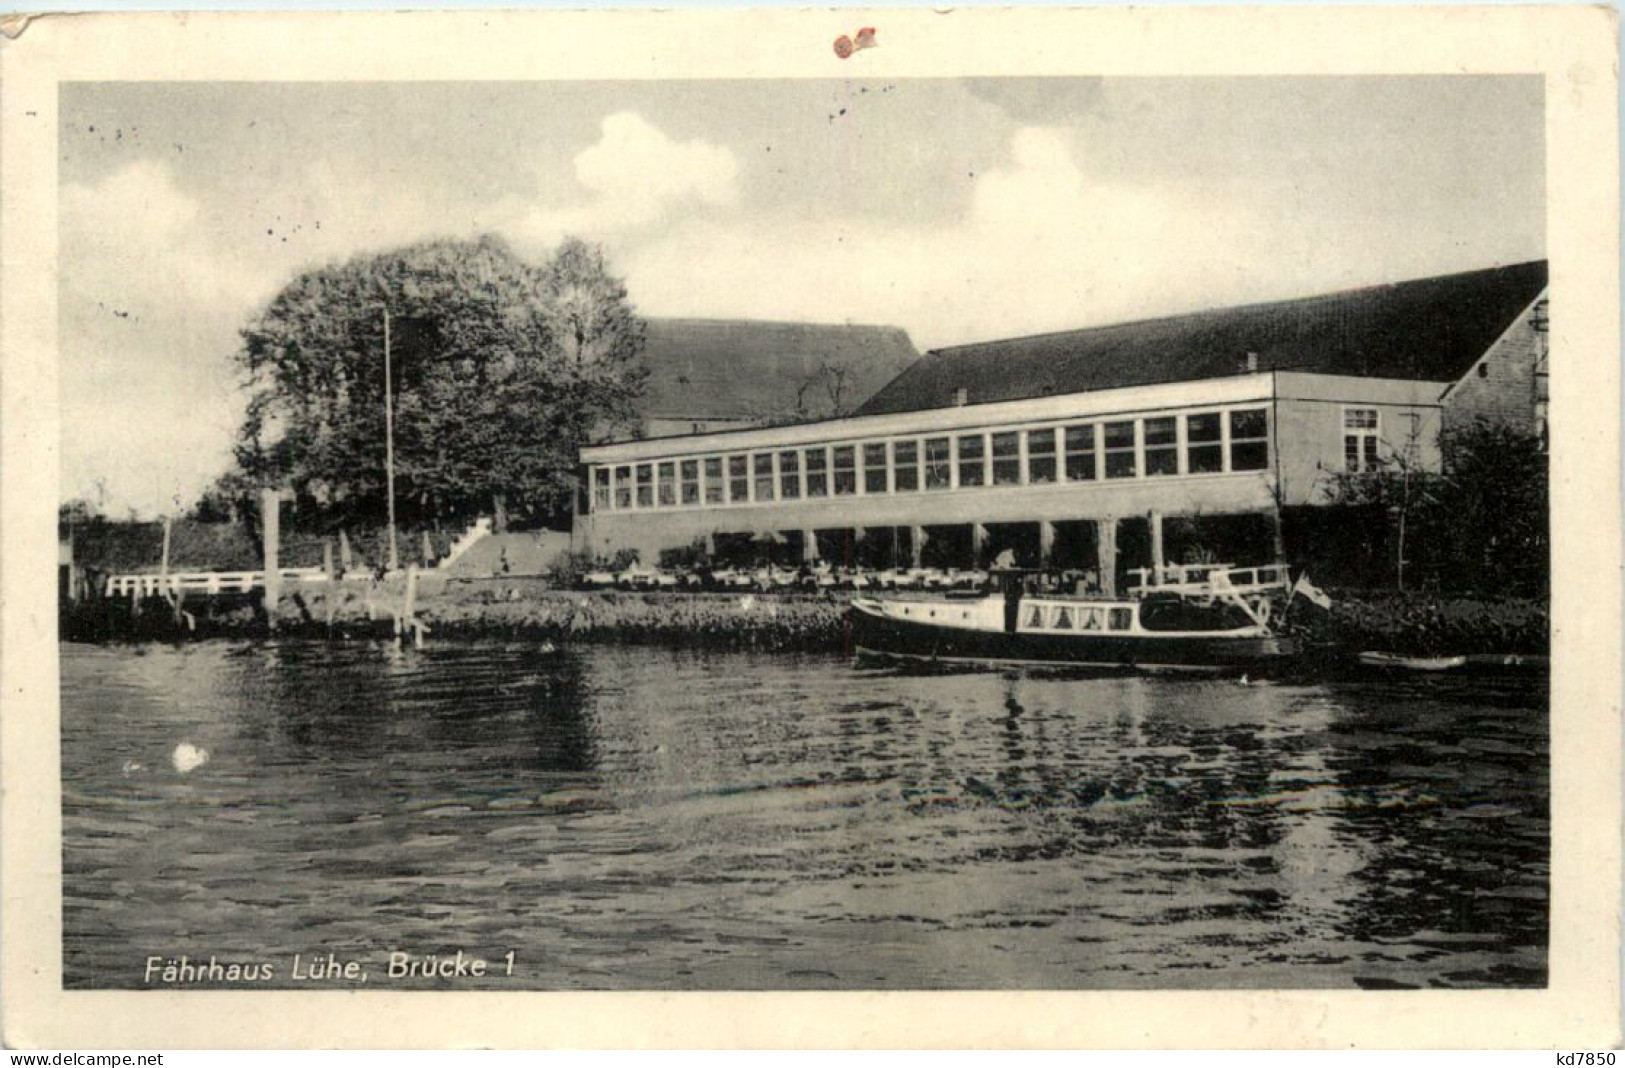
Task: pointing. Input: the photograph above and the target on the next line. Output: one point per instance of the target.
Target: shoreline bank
(530, 609)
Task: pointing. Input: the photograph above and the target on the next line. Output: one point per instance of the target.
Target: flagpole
(389, 444)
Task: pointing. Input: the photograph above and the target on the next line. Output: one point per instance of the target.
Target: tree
(1478, 525)
(501, 370)
(1494, 506)
(825, 392)
(77, 513)
(1393, 497)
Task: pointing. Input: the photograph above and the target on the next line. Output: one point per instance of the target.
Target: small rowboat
(1396, 662)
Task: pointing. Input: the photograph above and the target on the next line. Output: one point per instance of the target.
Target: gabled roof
(1432, 330)
(750, 370)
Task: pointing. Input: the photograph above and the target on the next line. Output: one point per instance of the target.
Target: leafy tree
(1479, 525)
(500, 369)
(78, 512)
(1494, 507)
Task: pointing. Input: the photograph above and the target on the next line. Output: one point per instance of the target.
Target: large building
(729, 374)
(1101, 449)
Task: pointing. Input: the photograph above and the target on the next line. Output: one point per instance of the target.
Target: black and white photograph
(859, 530)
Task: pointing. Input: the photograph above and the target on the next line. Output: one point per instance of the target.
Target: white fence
(205, 582)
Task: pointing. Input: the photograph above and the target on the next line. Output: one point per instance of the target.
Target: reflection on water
(631, 818)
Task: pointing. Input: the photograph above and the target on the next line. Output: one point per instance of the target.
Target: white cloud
(637, 165)
(1040, 247)
(135, 241)
(635, 175)
(148, 306)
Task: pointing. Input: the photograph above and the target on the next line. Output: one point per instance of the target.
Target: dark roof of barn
(1432, 329)
(746, 369)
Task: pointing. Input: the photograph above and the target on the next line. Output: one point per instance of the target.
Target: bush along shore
(806, 623)
(1409, 624)
(1426, 625)
(513, 610)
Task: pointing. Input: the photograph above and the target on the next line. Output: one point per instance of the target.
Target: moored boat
(1401, 662)
(1192, 618)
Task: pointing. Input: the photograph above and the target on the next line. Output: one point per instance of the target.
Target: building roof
(1432, 329)
(740, 369)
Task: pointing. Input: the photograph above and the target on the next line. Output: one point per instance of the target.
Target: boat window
(874, 468)
(713, 480)
(1204, 453)
(905, 463)
(1120, 618)
(600, 488)
(1091, 620)
(1249, 440)
(1063, 619)
(1162, 446)
(846, 470)
(738, 479)
(817, 472)
(972, 460)
(1119, 441)
(1177, 614)
(690, 471)
(623, 487)
(1036, 619)
(1041, 455)
(1080, 453)
(668, 484)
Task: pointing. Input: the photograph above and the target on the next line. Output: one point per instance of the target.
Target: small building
(729, 374)
(1508, 383)
(1102, 449)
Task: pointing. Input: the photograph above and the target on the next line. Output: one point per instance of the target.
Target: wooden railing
(204, 582)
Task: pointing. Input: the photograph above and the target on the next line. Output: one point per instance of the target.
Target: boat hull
(875, 634)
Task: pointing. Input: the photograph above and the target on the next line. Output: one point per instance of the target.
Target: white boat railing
(1209, 578)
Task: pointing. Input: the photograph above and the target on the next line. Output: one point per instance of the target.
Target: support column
(809, 546)
(1156, 547)
(916, 545)
(1106, 554)
(978, 543)
(270, 518)
(1046, 542)
(710, 545)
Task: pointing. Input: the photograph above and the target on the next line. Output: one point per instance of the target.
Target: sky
(960, 209)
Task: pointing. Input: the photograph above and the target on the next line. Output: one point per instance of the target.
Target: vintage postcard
(906, 528)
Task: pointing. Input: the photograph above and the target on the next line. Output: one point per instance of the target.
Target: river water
(637, 818)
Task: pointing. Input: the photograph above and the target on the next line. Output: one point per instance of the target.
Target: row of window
(1194, 444)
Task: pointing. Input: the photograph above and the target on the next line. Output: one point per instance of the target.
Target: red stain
(845, 46)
